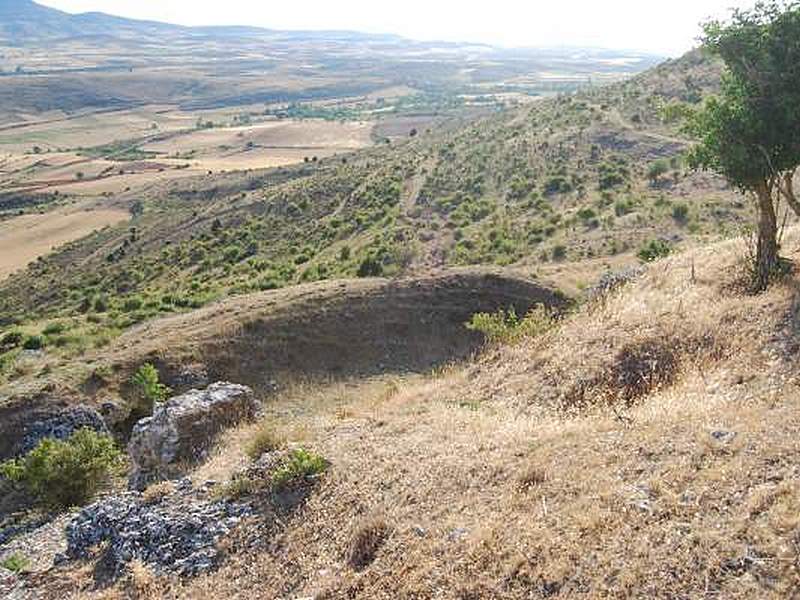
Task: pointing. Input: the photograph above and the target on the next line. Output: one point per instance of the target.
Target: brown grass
(491, 489)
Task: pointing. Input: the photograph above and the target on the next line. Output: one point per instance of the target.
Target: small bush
(559, 252)
(16, 563)
(680, 212)
(11, 340)
(33, 342)
(56, 328)
(147, 385)
(157, 492)
(654, 250)
(64, 473)
(507, 327)
(100, 304)
(367, 540)
(301, 465)
(266, 439)
(237, 488)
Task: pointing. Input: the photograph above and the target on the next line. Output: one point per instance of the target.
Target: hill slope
(560, 188)
(645, 447)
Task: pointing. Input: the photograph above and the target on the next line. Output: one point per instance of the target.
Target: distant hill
(25, 21)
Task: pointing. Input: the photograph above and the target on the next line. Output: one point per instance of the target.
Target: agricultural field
(25, 238)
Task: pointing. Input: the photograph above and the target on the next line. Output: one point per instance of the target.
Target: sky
(668, 27)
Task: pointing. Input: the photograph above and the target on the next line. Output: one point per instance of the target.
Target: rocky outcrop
(183, 429)
(178, 534)
(59, 425)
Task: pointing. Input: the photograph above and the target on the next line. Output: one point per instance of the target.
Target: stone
(191, 376)
(613, 280)
(178, 534)
(59, 425)
(723, 436)
(183, 429)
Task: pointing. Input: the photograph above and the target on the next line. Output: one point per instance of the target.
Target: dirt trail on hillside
(26, 238)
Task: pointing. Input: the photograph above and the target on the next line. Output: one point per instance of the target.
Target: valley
(324, 314)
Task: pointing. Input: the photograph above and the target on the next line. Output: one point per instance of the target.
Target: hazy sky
(668, 27)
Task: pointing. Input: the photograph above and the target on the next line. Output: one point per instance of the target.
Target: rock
(613, 280)
(59, 425)
(191, 376)
(8, 583)
(183, 429)
(178, 534)
(722, 436)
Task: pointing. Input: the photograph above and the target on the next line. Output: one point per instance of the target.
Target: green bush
(16, 563)
(33, 342)
(65, 473)
(654, 250)
(301, 464)
(680, 212)
(506, 327)
(147, 384)
(54, 328)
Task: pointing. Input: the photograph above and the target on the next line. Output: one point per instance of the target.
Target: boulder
(183, 429)
(59, 425)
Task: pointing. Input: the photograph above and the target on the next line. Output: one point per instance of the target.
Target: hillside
(455, 343)
(561, 189)
(680, 426)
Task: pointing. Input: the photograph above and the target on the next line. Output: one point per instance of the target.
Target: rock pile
(178, 534)
(613, 280)
(59, 425)
(183, 429)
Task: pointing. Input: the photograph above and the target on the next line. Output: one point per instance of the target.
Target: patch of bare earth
(25, 238)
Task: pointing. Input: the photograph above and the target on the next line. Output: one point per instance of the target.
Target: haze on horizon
(663, 28)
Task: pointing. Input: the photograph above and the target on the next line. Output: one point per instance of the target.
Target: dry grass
(688, 489)
(23, 239)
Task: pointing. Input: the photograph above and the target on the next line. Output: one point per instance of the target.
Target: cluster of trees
(750, 132)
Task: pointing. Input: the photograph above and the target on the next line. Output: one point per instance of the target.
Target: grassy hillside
(643, 447)
(569, 184)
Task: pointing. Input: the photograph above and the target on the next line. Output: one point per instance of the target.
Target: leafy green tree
(148, 386)
(750, 132)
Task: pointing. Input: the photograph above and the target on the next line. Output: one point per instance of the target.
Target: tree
(657, 170)
(750, 132)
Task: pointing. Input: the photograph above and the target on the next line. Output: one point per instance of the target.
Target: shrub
(367, 540)
(16, 563)
(64, 473)
(147, 385)
(33, 342)
(506, 327)
(657, 170)
(301, 465)
(132, 304)
(54, 328)
(680, 212)
(11, 340)
(100, 304)
(654, 250)
(266, 439)
(371, 266)
(237, 488)
(560, 252)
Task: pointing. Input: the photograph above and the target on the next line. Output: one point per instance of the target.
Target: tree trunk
(767, 248)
